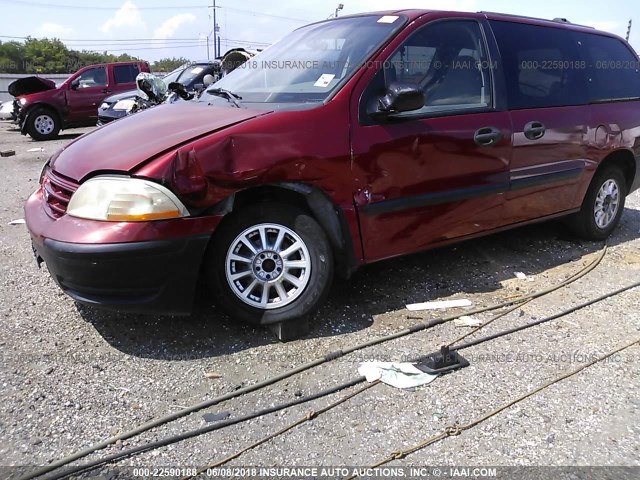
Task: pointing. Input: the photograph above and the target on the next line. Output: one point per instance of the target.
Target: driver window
(448, 61)
(94, 77)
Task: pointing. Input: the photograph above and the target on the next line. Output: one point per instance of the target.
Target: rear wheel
(602, 206)
(43, 124)
(270, 263)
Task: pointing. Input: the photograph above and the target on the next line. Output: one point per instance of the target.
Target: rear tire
(43, 124)
(602, 206)
(269, 263)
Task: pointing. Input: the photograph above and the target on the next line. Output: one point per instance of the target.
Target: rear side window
(542, 66)
(125, 73)
(613, 71)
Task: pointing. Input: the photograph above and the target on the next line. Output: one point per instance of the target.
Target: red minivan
(75, 102)
(350, 141)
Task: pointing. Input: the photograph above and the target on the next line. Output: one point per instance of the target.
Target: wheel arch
(313, 200)
(625, 161)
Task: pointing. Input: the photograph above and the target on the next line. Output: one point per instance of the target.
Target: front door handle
(534, 130)
(487, 136)
(106, 90)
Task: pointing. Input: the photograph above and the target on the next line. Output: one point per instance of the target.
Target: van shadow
(475, 266)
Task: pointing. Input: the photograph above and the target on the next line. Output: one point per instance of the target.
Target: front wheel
(270, 263)
(602, 206)
(43, 124)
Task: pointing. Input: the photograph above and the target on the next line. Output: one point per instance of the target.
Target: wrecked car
(44, 109)
(350, 141)
(191, 76)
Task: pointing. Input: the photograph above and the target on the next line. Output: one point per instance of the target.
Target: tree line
(42, 56)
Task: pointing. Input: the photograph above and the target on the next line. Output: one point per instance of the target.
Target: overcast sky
(154, 29)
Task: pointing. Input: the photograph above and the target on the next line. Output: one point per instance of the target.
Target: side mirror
(75, 83)
(400, 97)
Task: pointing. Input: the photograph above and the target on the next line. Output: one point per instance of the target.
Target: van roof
(413, 14)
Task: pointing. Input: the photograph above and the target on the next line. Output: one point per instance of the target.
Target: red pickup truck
(42, 109)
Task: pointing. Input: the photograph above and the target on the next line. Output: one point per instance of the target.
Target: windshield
(311, 62)
(185, 74)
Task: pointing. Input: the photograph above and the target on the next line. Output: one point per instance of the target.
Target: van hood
(27, 85)
(123, 145)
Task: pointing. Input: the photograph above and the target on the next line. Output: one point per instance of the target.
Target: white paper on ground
(439, 305)
(466, 321)
(399, 375)
(19, 221)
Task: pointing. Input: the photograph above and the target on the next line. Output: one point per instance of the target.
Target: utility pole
(215, 32)
(629, 29)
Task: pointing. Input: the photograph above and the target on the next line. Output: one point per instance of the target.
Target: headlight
(124, 199)
(124, 104)
(22, 101)
(104, 106)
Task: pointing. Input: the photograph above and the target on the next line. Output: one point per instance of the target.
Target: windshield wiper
(221, 92)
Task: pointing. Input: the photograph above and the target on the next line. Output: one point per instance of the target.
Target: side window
(94, 77)
(448, 61)
(613, 72)
(542, 66)
(125, 73)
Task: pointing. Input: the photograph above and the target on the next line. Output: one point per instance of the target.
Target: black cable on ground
(329, 357)
(544, 320)
(200, 431)
(177, 438)
(456, 429)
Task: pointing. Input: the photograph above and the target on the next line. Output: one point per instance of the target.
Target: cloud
(49, 29)
(169, 27)
(126, 16)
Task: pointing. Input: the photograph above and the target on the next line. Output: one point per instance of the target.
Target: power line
(171, 7)
(112, 40)
(84, 7)
(261, 14)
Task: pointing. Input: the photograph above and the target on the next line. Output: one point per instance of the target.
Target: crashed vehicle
(42, 109)
(350, 141)
(193, 76)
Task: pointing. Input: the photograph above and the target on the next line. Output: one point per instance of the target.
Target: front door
(85, 96)
(428, 176)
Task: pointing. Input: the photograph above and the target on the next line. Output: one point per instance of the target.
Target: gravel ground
(72, 376)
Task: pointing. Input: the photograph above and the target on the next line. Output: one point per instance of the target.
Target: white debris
(439, 305)
(399, 375)
(466, 321)
(523, 276)
(19, 221)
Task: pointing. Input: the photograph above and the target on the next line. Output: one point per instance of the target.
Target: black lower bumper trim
(154, 277)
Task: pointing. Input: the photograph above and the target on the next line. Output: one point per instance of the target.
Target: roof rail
(557, 19)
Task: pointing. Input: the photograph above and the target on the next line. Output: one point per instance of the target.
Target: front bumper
(145, 267)
(157, 276)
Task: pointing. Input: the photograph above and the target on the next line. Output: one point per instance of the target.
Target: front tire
(269, 263)
(43, 124)
(602, 206)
